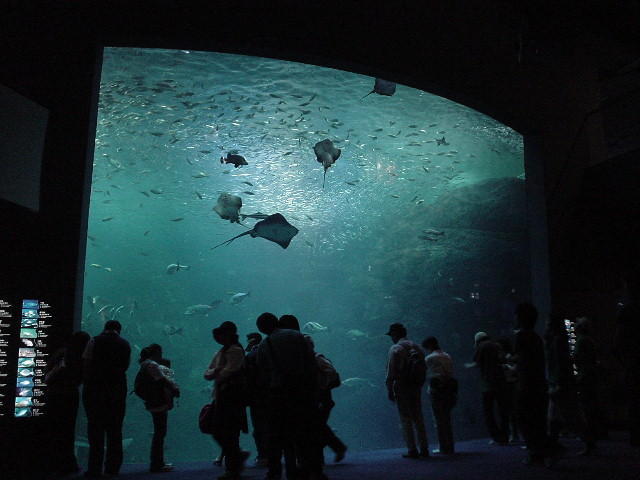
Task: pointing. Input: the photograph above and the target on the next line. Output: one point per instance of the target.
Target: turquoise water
(361, 259)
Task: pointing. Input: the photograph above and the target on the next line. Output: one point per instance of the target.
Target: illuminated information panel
(24, 350)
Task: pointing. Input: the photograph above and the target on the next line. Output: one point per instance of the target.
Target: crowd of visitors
(529, 386)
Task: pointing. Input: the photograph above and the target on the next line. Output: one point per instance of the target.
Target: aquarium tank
(421, 220)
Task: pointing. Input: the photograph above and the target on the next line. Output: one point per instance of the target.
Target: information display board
(24, 351)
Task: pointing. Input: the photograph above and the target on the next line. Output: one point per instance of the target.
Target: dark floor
(474, 460)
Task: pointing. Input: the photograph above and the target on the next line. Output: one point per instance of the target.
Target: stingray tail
(367, 95)
(227, 242)
(324, 177)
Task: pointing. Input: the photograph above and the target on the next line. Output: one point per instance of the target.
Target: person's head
(267, 322)
(253, 339)
(555, 325)
(226, 334)
(480, 337)
(289, 321)
(526, 316)
(431, 344)
(77, 342)
(505, 345)
(152, 352)
(396, 332)
(165, 362)
(583, 326)
(112, 325)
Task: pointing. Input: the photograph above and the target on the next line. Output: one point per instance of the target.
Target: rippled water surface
(361, 259)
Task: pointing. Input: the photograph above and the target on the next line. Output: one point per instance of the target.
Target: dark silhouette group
(530, 386)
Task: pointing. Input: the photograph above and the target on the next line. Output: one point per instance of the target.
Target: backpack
(148, 389)
(328, 376)
(415, 369)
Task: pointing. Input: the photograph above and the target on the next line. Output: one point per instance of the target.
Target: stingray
(228, 207)
(382, 87)
(326, 154)
(274, 228)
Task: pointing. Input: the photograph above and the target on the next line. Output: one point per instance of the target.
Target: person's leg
(115, 412)
(95, 431)
(157, 442)
(503, 404)
(404, 411)
(259, 421)
(488, 401)
(418, 420)
(276, 417)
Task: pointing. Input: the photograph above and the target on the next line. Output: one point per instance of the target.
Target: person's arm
(209, 373)
(87, 357)
(392, 372)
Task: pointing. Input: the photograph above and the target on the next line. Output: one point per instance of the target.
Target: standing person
(489, 358)
(328, 379)
(159, 400)
(626, 349)
(104, 395)
(563, 398)
(511, 377)
(290, 369)
(585, 357)
(256, 390)
(531, 390)
(229, 414)
(404, 384)
(63, 378)
(443, 390)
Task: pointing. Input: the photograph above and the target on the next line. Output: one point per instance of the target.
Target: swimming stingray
(274, 228)
(382, 87)
(228, 207)
(326, 154)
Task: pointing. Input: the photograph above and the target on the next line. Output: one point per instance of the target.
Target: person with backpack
(155, 385)
(443, 390)
(406, 373)
(229, 392)
(328, 379)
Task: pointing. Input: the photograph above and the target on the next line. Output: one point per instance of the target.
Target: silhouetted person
(406, 391)
(63, 377)
(289, 321)
(511, 378)
(585, 358)
(229, 414)
(564, 410)
(328, 379)
(104, 395)
(164, 390)
(531, 400)
(489, 358)
(443, 390)
(257, 390)
(287, 362)
(628, 352)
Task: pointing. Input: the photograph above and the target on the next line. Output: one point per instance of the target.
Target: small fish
(179, 219)
(95, 265)
(156, 191)
(247, 192)
(357, 382)
(248, 183)
(314, 327)
(146, 233)
(199, 195)
(146, 194)
(426, 169)
(107, 219)
(234, 159)
(441, 141)
(176, 267)
(285, 154)
(171, 330)
(308, 243)
(238, 297)
(353, 184)
(104, 308)
(419, 201)
(395, 196)
(431, 231)
(108, 269)
(458, 299)
(200, 175)
(309, 217)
